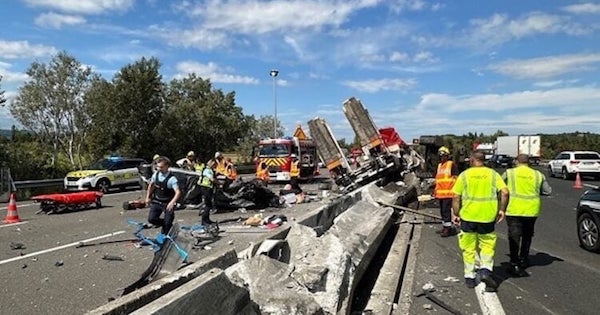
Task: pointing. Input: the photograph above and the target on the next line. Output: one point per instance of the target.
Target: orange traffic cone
(577, 184)
(11, 215)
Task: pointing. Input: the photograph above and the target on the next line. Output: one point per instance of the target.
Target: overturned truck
(386, 157)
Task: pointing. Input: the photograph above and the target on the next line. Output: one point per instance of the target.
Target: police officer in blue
(163, 193)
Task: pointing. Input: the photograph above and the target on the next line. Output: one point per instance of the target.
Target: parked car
(568, 163)
(104, 174)
(588, 220)
(500, 160)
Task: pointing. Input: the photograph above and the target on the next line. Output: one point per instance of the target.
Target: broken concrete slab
(210, 293)
(271, 286)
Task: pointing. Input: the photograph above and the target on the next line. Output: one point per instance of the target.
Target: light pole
(273, 74)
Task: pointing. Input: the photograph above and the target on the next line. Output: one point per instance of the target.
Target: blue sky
(423, 67)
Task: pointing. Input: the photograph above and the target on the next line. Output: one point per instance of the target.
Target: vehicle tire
(588, 232)
(103, 185)
(564, 174)
(550, 173)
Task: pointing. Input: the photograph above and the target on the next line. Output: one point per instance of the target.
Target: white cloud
(83, 6)
(200, 38)
(498, 28)
(11, 76)
(55, 20)
(215, 73)
(547, 84)
(22, 49)
(376, 85)
(398, 56)
(258, 17)
(547, 67)
(425, 57)
(583, 8)
(414, 5)
(561, 98)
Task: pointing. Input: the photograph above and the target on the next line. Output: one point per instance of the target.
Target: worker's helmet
(218, 155)
(191, 153)
(155, 157)
(293, 156)
(443, 151)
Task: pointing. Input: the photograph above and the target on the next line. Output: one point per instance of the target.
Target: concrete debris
(427, 306)
(15, 246)
(230, 242)
(428, 287)
(59, 263)
(24, 266)
(112, 257)
(451, 279)
(271, 286)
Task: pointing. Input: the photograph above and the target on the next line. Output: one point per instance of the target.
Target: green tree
(200, 118)
(260, 128)
(51, 104)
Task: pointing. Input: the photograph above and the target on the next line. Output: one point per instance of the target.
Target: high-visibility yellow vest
(295, 170)
(478, 188)
(444, 180)
(221, 167)
(207, 174)
(524, 185)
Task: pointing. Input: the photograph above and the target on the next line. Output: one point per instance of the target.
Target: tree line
(71, 116)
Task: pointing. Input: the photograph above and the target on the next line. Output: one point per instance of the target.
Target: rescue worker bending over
(188, 162)
(221, 164)
(262, 172)
(163, 193)
(476, 209)
(295, 173)
(445, 177)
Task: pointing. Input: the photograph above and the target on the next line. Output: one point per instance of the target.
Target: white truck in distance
(515, 145)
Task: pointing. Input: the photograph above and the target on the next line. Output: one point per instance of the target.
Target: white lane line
(59, 247)
(23, 205)
(488, 301)
(12, 224)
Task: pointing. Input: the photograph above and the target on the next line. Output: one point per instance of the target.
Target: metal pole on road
(273, 74)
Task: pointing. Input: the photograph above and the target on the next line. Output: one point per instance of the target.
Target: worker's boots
(447, 231)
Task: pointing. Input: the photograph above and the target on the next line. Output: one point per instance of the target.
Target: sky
(422, 67)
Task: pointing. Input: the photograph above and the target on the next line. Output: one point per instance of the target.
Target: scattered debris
(24, 266)
(428, 287)
(17, 246)
(112, 257)
(519, 297)
(427, 306)
(207, 247)
(59, 263)
(34, 259)
(230, 242)
(451, 279)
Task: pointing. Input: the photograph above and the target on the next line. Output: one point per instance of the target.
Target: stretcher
(58, 203)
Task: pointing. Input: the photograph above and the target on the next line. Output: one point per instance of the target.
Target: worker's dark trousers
(520, 234)
(156, 209)
(446, 211)
(207, 196)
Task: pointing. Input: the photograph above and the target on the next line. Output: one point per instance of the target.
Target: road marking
(488, 301)
(13, 224)
(59, 247)
(23, 205)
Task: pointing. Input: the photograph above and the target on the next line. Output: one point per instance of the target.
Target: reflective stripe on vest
(444, 181)
(479, 197)
(295, 171)
(524, 185)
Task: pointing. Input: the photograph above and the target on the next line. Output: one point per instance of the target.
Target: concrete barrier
(133, 301)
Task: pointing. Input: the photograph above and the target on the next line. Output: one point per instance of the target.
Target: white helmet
(293, 156)
(218, 154)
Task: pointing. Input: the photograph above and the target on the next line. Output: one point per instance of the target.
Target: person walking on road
(445, 177)
(162, 195)
(525, 186)
(206, 183)
(476, 210)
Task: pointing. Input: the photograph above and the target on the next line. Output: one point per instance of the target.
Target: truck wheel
(103, 185)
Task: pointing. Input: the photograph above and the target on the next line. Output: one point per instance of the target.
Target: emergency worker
(295, 173)
(525, 186)
(262, 171)
(188, 162)
(221, 164)
(206, 183)
(162, 195)
(445, 177)
(476, 209)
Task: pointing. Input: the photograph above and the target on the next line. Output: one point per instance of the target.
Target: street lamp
(273, 74)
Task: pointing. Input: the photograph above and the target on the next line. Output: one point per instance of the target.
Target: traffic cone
(11, 215)
(577, 184)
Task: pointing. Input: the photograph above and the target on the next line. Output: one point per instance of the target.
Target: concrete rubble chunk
(271, 286)
(321, 265)
(373, 194)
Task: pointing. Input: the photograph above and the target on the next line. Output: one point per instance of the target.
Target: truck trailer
(515, 145)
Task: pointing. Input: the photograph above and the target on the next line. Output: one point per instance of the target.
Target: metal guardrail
(37, 183)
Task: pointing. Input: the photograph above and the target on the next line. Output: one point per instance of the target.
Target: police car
(104, 174)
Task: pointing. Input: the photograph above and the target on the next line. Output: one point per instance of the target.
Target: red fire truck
(277, 154)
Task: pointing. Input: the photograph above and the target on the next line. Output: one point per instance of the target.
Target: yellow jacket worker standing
(525, 186)
(476, 209)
